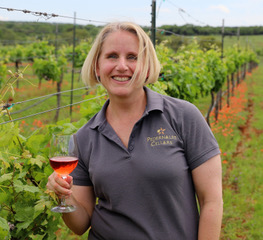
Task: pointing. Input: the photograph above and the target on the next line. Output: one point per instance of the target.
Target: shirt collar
(154, 102)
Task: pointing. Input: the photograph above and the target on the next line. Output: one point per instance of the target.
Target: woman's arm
(79, 220)
(208, 185)
(81, 196)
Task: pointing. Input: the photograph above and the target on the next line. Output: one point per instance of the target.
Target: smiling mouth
(122, 79)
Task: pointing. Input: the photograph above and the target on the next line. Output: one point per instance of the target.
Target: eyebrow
(116, 52)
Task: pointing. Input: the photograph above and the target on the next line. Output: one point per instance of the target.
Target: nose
(122, 64)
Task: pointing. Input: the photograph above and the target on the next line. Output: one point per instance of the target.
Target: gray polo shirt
(145, 191)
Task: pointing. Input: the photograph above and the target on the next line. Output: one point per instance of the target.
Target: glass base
(64, 209)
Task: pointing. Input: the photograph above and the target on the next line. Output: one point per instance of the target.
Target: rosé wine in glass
(63, 159)
(63, 165)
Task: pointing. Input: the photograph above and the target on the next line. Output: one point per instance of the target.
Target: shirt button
(131, 147)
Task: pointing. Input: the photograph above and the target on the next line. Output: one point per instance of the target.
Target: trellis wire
(49, 95)
(50, 110)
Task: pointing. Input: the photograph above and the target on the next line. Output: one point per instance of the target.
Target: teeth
(121, 79)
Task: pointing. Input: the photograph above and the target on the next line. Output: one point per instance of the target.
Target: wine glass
(63, 159)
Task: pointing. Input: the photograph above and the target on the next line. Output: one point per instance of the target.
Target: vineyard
(41, 93)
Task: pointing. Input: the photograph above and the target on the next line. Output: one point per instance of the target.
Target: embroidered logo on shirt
(161, 138)
(160, 131)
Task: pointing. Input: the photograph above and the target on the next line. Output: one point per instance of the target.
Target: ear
(147, 76)
(97, 70)
(148, 73)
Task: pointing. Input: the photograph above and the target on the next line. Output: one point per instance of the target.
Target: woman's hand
(60, 186)
(82, 197)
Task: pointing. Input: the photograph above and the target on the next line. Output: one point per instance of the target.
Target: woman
(144, 156)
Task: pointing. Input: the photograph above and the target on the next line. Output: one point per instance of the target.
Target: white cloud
(221, 8)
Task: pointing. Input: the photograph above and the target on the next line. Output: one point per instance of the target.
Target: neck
(132, 106)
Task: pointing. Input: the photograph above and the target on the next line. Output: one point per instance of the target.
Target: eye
(132, 57)
(114, 56)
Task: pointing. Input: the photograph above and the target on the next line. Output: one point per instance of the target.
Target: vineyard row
(188, 74)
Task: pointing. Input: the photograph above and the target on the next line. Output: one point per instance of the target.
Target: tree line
(190, 30)
(12, 32)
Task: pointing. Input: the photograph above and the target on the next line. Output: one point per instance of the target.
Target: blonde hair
(147, 61)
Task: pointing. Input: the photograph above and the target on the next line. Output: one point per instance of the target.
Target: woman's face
(117, 63)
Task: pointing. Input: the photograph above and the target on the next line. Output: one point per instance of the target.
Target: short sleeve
(199, 141)
(81, 173)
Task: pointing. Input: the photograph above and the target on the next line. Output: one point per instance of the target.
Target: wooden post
(210, 108)
(233, 83)
(228, 91)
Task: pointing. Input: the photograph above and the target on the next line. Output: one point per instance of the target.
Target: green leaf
(35, 143)
(55, 129)
(80, 123)
(23, 225)
(37, 161)
(24, 212)
(51, 229)
(4, 196)
(63, 121)
(4, 229)
(69, 129)
(20, 187)
(6, 165)
(39, 176)
(6, 177)
(40, 206)
(21, 175)
(4, 224)
(8, 132)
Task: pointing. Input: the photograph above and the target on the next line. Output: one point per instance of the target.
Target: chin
(120, 92)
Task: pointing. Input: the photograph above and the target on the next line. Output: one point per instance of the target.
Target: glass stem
(62, 198)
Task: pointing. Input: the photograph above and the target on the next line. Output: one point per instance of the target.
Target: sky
(168, 12)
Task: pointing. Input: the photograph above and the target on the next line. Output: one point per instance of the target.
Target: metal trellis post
(73, 63)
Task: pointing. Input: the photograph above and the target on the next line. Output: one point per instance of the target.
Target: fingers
(58, 185)
(69, 179)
